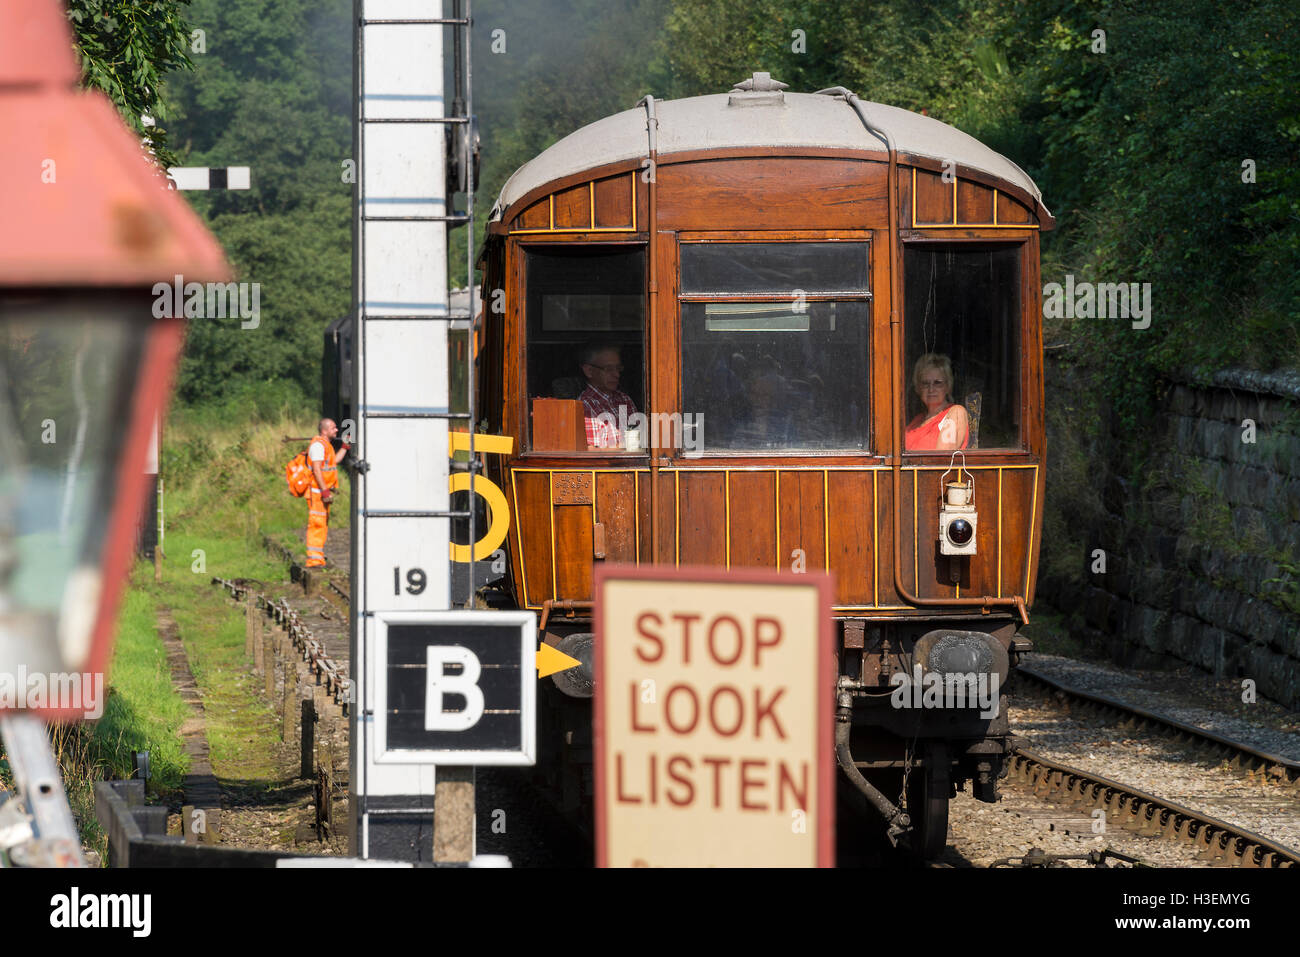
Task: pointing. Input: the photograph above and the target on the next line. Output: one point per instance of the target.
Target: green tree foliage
(272, 91)
(543, 70)
(126, 46)
(1146, 143)
(1138, 149)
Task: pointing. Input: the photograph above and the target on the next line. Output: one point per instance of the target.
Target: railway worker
(944, 424)
(604, 406)
(325, 479)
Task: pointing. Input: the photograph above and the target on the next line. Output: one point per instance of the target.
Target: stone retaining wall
(1202, 556)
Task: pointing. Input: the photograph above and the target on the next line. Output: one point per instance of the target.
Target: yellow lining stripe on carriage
(593, 228)
(593, 507)
(726, 517)
(956, 225)
(916, 537)
(550, 497)
(519, 537)
(875, 539)
(1029, 552)
(826, 518)
(777, 501)
(677, 515)
(818, 468)
(875, 608)
(999, 592)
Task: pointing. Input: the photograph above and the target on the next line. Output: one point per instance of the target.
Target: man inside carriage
(604, 406)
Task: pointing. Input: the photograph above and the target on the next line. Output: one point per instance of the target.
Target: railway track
(1127, 807)
(328, 670)
(1147, 814)
(1239, 755)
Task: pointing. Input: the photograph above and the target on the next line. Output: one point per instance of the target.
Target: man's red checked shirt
(604, 434)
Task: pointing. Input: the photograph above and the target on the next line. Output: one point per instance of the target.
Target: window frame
(1021, 245)
(523, 247)
(860, 237)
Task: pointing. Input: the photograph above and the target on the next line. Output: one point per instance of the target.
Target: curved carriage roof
(796, 120)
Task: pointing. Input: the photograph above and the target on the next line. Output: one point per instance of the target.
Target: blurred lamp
(85, 365)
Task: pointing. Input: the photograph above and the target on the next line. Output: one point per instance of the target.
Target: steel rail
(1243, 755)
(1137, 810)
(330, 672)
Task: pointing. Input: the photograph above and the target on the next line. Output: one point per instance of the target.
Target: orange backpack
(298, 474)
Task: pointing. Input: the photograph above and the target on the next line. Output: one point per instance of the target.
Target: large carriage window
(774, 346)
(962, 347)
(586, 334)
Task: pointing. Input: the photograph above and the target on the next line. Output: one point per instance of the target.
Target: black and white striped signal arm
(209, 177)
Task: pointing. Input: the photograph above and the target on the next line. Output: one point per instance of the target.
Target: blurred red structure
(87, 222)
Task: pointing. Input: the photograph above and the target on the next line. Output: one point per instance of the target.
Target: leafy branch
(126, 47)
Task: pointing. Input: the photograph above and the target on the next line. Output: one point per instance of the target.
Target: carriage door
(585, 386)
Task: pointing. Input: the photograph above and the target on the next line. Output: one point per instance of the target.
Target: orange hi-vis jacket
(328, 470)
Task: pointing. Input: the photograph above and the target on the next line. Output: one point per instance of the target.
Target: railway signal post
(436, 689)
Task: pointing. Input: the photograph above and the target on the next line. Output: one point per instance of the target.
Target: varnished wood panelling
(850, 535)
(982, 573)
(1010, 211)
(974, 203)
(1018, 494)
(666, 518)
(752, 498)
(573, 553)
(908, 548)
(703, 524)
(793, 193)
(573, 208)
(615, 509)
(802, 520)
(614, 202)
(662, 362)
(935, 580)
(533, 520)
(933, 199)
(887, 594)
(904, 197)
(536, 216)
(644, 553)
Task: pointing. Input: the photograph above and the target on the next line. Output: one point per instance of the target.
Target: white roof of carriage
(789, 120)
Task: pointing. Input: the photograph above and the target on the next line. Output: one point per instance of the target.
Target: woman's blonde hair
(932, 360)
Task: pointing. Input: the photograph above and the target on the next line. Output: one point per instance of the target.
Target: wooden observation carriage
(768, 267)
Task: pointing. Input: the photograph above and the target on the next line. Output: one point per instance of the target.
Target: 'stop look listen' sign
(713, 714)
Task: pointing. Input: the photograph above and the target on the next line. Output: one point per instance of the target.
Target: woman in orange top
(943, 425)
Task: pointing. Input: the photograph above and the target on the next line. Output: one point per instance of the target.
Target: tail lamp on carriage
(957, 517)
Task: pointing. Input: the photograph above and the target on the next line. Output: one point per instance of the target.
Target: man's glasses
(617, 368)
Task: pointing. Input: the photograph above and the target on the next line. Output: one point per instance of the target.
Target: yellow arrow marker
(549, 661)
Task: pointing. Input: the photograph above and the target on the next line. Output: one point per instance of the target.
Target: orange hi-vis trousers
(318, 513)
(318, 523)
